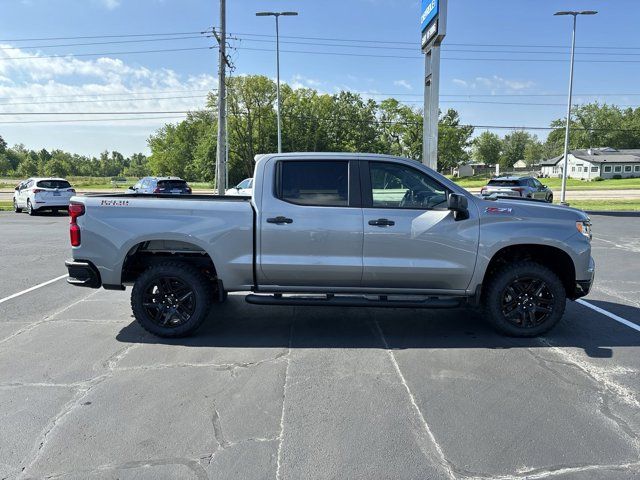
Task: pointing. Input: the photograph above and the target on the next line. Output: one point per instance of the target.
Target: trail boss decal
(498, 210)
(114, 203)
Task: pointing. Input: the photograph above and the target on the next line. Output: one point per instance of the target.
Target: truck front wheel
(524, 299)
(171, 299)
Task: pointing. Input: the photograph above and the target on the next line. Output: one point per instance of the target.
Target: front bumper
(83, 274)
(583, 287)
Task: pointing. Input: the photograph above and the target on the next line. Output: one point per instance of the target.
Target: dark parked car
(527, 187)
(168, 185)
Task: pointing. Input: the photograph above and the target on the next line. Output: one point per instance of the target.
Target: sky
(504, 62)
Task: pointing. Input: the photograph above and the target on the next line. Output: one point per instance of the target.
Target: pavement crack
(438, 456)
(284, 397)
(46, 319)
(542, 473)
(217, 429)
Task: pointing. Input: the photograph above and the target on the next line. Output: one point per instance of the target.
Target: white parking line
(33, 288)
(612, 316)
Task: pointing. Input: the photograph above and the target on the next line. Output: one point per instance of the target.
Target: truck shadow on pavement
(236, 324)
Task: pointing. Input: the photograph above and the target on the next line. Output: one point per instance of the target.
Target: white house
(595, 162)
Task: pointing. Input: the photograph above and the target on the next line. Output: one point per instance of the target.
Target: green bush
(598, 179)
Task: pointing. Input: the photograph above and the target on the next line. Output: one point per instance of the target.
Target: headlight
(584, 227)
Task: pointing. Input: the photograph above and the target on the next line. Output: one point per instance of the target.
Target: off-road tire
(496, 289)
(15, 207)
(189, 276)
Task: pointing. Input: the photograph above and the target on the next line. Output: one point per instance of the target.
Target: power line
(83, 120)
(153, 92)
(24, 47)
(104, 100)
(124, 35)
(105, 53)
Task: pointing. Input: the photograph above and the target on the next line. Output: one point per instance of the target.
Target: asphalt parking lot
(305, 393)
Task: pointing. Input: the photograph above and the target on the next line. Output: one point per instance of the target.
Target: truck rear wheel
(524, 299)
(171, 299)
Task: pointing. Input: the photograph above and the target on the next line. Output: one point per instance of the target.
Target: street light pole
(277, 15)
(569, 100)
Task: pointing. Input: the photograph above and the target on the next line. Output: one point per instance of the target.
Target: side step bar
(346, 301)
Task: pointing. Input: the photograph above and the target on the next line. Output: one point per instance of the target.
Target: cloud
(111, 4)
(495, 84)
(49, 85)
(403, 84)
(299, 81)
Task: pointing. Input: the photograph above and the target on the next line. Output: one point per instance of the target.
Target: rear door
(411, 239)
(55, 191)
(311, 224)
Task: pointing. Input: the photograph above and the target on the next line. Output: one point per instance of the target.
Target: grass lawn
(632, 205)
(555, 183)
(6, 206)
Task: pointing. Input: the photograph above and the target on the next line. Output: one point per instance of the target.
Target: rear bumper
(83, 274)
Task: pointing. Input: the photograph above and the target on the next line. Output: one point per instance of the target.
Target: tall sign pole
(433, 23)
(222, 104)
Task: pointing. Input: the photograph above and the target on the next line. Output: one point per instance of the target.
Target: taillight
(483, 191)
(518, 189)
(75, 210)
(188, 189)
(72, 190)
(37, 190)
(157, 190)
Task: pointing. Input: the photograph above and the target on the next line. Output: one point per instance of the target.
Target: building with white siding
(595, 162)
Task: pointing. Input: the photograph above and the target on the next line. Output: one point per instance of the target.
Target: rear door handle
(279, 220)
(382, 222)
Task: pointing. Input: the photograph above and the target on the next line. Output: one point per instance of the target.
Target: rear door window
(314, 183)
(54, 184)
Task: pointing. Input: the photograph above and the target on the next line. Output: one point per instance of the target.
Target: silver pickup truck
(334, 229)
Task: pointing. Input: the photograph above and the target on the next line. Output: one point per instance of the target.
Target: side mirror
(132, 187)
(459, 205)
(544, 186)
(17, 188)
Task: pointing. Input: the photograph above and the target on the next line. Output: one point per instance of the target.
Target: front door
(411, 239)
(311, 224)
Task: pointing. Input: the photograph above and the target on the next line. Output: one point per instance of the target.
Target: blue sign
(429, 12)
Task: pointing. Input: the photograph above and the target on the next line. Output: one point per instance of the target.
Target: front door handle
(382, 222)
(279, 220)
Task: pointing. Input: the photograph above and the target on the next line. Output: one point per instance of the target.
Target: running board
(346, 301)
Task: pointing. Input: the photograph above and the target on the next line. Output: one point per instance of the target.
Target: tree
(534, 151)
(487, 148)
(453, 141)
(400, 129)
(513, 147)
(3, 145)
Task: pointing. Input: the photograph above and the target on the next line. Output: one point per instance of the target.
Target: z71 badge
(498, 210)
(114, 203)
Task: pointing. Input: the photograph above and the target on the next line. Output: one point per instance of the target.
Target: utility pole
(277, 15)
(222, 103)
(565, 167)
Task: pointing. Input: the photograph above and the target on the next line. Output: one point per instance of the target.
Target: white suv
(37, 194)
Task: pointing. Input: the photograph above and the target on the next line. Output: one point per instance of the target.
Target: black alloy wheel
(523, 298)
(527, 302)
(171, 299)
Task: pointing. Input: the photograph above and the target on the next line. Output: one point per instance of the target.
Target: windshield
(54, 184)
